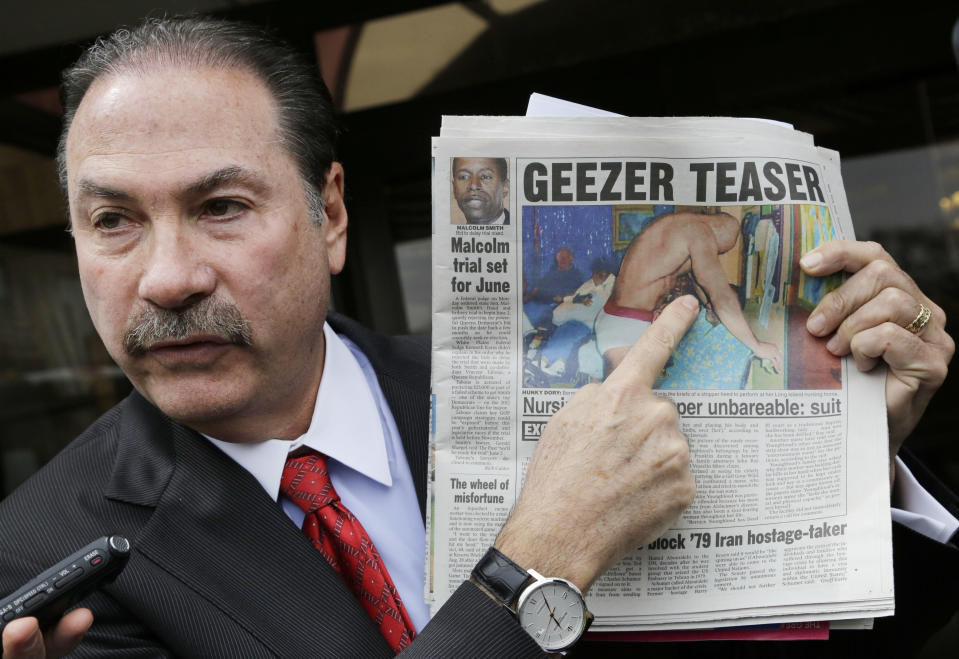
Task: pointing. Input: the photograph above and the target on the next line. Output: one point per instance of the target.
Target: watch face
(553, 613)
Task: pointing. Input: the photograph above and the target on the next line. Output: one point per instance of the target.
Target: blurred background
(878, 81)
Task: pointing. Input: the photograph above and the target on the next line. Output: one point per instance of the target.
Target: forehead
(474, 165)
(135, 123)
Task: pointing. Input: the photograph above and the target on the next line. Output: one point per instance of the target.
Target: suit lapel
(217, 531)
(407, 406)
(402, 368)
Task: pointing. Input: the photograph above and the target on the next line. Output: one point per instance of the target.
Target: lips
(186, 341)
(193, 351)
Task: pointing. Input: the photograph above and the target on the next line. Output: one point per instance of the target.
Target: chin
(195, 406)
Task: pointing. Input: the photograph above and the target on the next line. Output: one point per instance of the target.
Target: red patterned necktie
(343, 541)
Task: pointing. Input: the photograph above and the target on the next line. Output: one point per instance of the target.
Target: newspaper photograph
(556, 243)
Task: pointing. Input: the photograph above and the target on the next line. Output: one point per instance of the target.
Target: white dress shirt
(353, 426)
(918, 509)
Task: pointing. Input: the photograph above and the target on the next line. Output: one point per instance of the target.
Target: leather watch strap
(501, 577)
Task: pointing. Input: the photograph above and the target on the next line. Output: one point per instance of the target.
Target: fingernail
(833, 344)
(816, 324)
(810, 260)
(690, 302)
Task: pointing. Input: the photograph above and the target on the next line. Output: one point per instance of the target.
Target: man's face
(479, 189)
(182, 194)
(564, 258)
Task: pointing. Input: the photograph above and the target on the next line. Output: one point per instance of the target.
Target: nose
(474, 183)
(174, 272)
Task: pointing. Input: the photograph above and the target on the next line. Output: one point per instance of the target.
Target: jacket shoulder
(64, 506)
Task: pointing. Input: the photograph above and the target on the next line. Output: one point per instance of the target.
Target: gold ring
(921, 319)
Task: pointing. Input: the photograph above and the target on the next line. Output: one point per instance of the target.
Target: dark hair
(304, 105)
(500, 163)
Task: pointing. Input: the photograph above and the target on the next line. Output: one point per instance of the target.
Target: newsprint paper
(556, 242)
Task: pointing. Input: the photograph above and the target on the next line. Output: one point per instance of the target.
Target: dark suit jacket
(218, 570)
(505, 219)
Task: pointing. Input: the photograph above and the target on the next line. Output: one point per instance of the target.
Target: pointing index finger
(646, 359)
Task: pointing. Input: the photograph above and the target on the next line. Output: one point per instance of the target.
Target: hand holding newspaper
(918, 366)
(558, 243)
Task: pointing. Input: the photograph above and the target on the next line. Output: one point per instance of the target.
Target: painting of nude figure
(595, 277)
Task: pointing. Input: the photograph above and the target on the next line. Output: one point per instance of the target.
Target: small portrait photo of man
(481, 191)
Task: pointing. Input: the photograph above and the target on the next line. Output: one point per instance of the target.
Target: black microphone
(56, 589)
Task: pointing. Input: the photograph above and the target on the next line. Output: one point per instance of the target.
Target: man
(592, 292)
(561, 280)
(574, 318)
(205, 241)
(481, 188)
(674, 255)
(208, 216)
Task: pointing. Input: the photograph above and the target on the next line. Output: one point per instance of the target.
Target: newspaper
(788, 443)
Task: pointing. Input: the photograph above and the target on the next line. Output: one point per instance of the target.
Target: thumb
(22, 639)
(646, 359)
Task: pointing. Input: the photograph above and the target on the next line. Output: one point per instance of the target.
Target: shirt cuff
(918, 510)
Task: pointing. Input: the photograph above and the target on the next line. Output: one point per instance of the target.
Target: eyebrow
(231, 175)
(478, 171)
(90, 189)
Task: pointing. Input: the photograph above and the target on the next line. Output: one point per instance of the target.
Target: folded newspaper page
(556, 242)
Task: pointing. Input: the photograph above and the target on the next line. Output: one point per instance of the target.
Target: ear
(334, 219)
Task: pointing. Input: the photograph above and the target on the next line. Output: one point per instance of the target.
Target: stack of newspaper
(556, 241)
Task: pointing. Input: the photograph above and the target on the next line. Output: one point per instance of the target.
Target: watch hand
(546, 602)
(552, 616)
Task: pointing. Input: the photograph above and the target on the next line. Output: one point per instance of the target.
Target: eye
(109, 221)
(223, 208)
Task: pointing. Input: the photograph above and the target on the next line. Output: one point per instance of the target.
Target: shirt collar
(345, 426)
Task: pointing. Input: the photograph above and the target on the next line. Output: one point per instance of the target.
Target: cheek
(105, 294)
(280, 278)
(275, 260)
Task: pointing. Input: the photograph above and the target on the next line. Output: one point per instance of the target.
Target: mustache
(210, 316)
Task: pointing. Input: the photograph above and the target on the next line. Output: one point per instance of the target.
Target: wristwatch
(550, 610)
